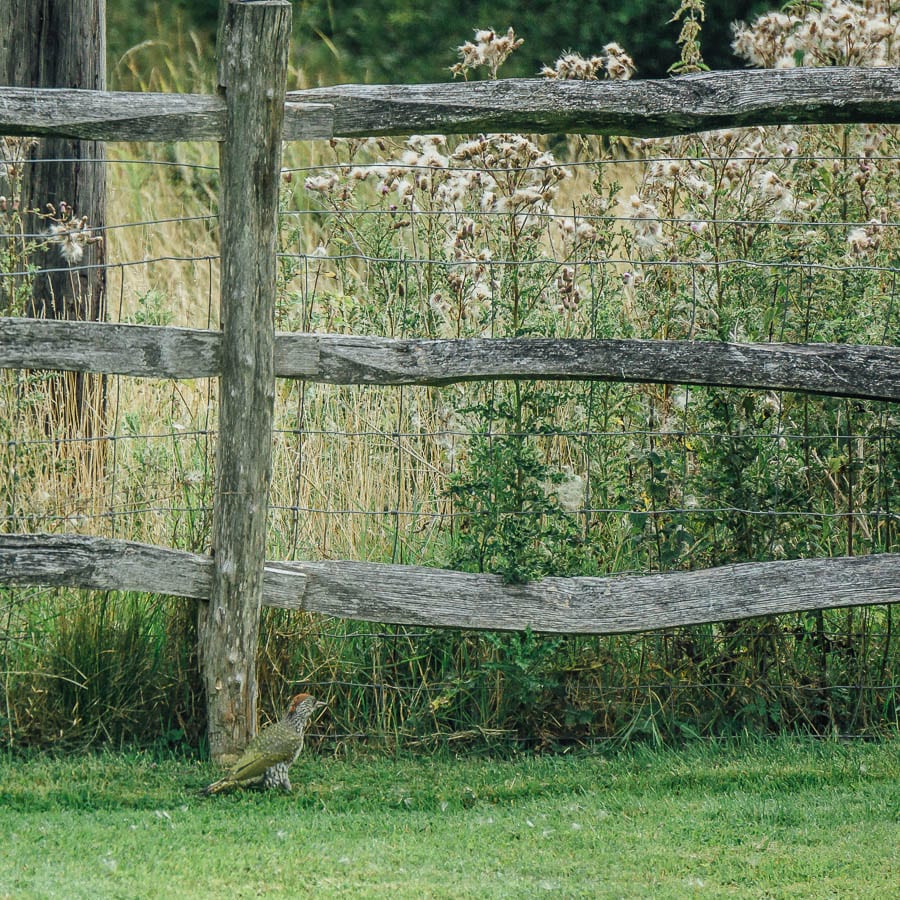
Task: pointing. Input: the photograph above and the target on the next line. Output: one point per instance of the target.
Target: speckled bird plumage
(267, 758)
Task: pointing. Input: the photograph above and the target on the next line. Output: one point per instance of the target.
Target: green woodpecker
(267, 758)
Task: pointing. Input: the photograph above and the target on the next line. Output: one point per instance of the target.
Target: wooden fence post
(252, 75)
(60, 44)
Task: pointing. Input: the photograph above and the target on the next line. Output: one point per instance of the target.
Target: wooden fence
(250, 117)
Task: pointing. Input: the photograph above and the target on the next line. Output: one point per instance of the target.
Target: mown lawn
(780, 819)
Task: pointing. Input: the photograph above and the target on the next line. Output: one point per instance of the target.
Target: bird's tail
(223, 784)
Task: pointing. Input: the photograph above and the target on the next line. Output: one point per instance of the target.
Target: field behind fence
(693, 428)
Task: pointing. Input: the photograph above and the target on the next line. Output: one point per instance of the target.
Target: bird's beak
(320, 703)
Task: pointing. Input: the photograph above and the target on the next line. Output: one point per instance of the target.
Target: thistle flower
(833, 33)
(569, 491)
(580, 229)
(864, 237)
(71, 235)
(619, 65)
(439, 305)
(489, 50)
(570, 293)
(320, 184)
(616, 64)
(632, 280)
(777, 191)
(573, 66)
(647, 226)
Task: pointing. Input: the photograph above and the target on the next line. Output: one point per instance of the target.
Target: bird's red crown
(298, 699)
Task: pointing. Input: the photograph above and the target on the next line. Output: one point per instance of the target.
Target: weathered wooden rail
(130, 116)
(416, 595)
(152, 351)
(654, 108)
(251, 115)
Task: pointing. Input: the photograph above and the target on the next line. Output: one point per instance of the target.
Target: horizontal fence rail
(414, 595)
(132, 116)
(842, 370)
(104, 564)
(651, 108)
(144, 351)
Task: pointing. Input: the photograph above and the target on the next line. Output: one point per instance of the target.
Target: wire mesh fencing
(757, 236)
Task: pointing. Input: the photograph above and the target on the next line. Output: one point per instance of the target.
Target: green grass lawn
(781, 819)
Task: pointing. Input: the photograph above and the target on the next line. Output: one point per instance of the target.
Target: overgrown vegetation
(755, 235)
